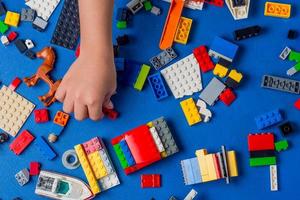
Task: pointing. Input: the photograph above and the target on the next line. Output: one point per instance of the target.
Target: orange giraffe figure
(48, 55)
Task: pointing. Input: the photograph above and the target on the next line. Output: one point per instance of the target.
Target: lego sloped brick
(203, 59)
(142, 145)
(183, 30)
(281, 84)
(14, 111)
(281, 10)
(191, 171)
(183, 77)
(166, 136)
(255, 162)
(44, 8)
(67, 29)
(232, 164)
(212, 91)
(21, 142)
(87, 169)
(257, 142)
(44, 148)
(221, 48)
(190, 111)
(268, 119)
(97, 165)
(158, 86)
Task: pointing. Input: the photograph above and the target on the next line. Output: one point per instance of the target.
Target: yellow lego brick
(278, 9)
(235, 75)
(201, 154)
(150, 124)
(183, 30)
(163, 154)
(190, 111)
(220, 71)
(12, 19)
(87, 169)
(232, 164)
(97, 165)
(211, 167)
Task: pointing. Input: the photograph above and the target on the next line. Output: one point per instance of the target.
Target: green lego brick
(294, 56)
(281, 145)
(254, 162)
(121, 24)
(3, 27)
(297, 67)
(121, 156)
(142, 77)
(148, 5)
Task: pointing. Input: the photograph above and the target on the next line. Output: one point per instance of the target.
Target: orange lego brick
(183, 30)
(171, 24)
(61, 118)
(281, 10)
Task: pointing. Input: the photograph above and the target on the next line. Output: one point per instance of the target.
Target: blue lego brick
(158, 86)
(127, 153)
(196, 170)
(43, 146)
(130, 73)
(120, 64)
(56, 129)
(268, 119)
(191, 171)
(224, 48)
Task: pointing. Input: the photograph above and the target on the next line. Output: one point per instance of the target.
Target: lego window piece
(212, 91)
(183, 30)
(183, 77)
(21, 142)
(44, 8)
(158, 86)
(22, 177)
(238, 10)
(281, 10)
(268, 119)
(163, 58)
(221, 48)
(14, 111)
(281, 84)
(67, 29)
(190, 111)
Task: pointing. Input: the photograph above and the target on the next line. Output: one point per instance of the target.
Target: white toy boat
(238, 8)
(59, 186)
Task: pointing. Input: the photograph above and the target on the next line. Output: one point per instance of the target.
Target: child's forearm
(96, 27)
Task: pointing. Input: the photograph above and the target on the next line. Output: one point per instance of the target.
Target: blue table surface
(229, 125)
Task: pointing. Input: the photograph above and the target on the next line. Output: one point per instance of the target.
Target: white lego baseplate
(183, 77)
(43, 8)
(14, 111)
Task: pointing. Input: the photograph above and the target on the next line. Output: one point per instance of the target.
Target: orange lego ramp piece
(171, 24)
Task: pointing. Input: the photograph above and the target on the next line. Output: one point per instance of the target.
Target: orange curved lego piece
(171, 24)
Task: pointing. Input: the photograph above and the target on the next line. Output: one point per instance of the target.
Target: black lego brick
(20, 44)
(67, 29)
(2, 9)
(248, 32)
(30, 54)
(261, 154)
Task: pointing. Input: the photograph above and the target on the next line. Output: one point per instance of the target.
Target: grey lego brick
(285, 53)
(39, 24)
(165, 136)
(163, 58)
(281, 84)
(212, 91)
(27, 14)
(22, 177)
(134, 6)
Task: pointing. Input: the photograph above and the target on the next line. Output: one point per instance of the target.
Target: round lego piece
(3, 137)
(70, 159)
(52, 138)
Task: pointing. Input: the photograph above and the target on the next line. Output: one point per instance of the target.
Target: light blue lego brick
(196, 170)
(224, 47)
(120, 64)
(43, 146)
(268, 119)
(129, 158)
(191, 171)
(158, 86)
(56, 129)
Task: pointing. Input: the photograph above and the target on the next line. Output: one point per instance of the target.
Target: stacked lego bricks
(97, 166)
(209, 167)
(144, 145)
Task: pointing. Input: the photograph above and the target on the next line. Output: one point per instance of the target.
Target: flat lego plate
(14, 111)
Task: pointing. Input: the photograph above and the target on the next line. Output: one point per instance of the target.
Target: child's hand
(88, 86)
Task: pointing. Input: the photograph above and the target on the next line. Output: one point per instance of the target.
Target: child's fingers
(68, 104)
(95, 111)
(80, 111)
(108, 104)
(60, 94)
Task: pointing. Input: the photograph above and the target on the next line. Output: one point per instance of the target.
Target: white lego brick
(285, 53)
(4, 40)
(183, 77)
(106, 160)
(29, 44)
(14, 111)
(157, 140)
(43, 8)
(155, 10)
(203, 110)
(195, 5)
(191, 195)
(273, 178)
(109, 181)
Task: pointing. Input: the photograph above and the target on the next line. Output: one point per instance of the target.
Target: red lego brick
(150, 180)
(142, 145)
(227, 96)
(15, 83)
(262, 141)
(117, 139)
(110, 113)
(41, 115)
(61, 118)
(297, 104)
(217, 166)
(12, 36)
(203, 59)
(77, 52)
(218, 3)
(21, 142)
(34, 168)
